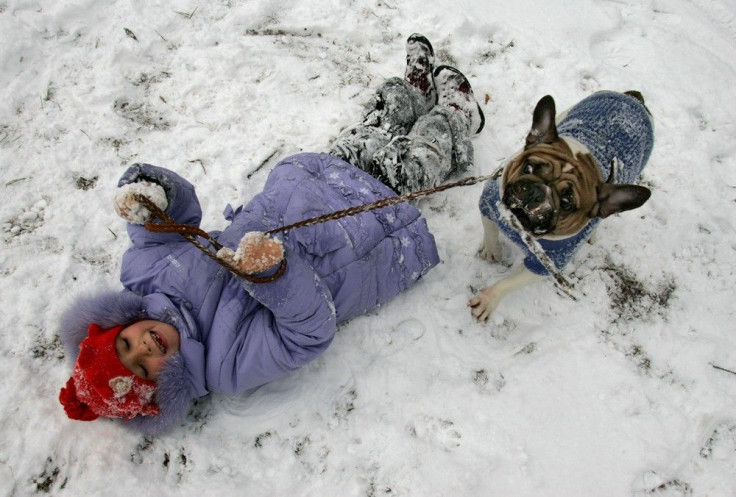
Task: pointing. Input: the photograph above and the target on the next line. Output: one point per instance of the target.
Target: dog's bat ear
(613, 199)
(544, 129)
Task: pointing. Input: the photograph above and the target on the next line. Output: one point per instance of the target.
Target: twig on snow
(201, 163)
(187, 15)
(130, 34)
(263, 163)
(17, 180)
(722, 369)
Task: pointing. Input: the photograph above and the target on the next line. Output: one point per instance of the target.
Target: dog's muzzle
(531, 202)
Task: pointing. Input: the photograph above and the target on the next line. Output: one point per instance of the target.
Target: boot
(454, 91)
(419, 68)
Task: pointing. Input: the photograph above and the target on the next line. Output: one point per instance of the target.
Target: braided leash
(192, 232)
(351, 211)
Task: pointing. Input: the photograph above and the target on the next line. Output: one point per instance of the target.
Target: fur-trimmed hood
(111, 308)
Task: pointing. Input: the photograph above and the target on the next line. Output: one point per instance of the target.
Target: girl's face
(144, 347)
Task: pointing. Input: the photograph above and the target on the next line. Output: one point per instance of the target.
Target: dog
(575, 169)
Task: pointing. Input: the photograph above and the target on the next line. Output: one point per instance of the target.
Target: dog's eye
(567, 204)
(528, 167)
(567, 200)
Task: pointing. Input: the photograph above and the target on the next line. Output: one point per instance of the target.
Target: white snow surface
(629, 391)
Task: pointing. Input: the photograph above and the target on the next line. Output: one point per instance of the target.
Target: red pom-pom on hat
(102, 386)
(75, 408)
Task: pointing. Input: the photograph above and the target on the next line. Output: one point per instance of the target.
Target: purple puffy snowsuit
(237, 335)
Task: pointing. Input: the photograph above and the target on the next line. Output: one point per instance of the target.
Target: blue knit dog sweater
(611, 125)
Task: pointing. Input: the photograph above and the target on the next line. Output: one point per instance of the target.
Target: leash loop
(189, 232)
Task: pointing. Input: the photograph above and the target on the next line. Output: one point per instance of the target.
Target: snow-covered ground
(629, 391)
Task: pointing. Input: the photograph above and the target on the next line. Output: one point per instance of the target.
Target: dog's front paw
(489, 252)
(484, 303)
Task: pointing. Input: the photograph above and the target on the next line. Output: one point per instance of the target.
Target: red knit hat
(101, 385)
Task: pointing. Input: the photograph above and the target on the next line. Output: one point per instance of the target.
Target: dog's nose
(525, 194)
(535, 195)
(530, 202)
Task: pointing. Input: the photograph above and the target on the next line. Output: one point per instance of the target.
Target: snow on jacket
(236, 335)
(610, 125)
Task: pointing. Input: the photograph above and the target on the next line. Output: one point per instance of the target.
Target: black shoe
(419, 67)
(454, 90)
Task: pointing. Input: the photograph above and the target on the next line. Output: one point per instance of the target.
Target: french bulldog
(574, 170)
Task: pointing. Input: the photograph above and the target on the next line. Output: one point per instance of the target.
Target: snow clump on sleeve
(130, 209)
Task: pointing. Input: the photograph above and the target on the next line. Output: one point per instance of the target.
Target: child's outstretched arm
(167, 189)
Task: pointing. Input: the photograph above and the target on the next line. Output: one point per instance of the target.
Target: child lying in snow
(184, 326)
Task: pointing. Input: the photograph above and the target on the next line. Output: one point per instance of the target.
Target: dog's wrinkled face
(553, 190)
(550, 190)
